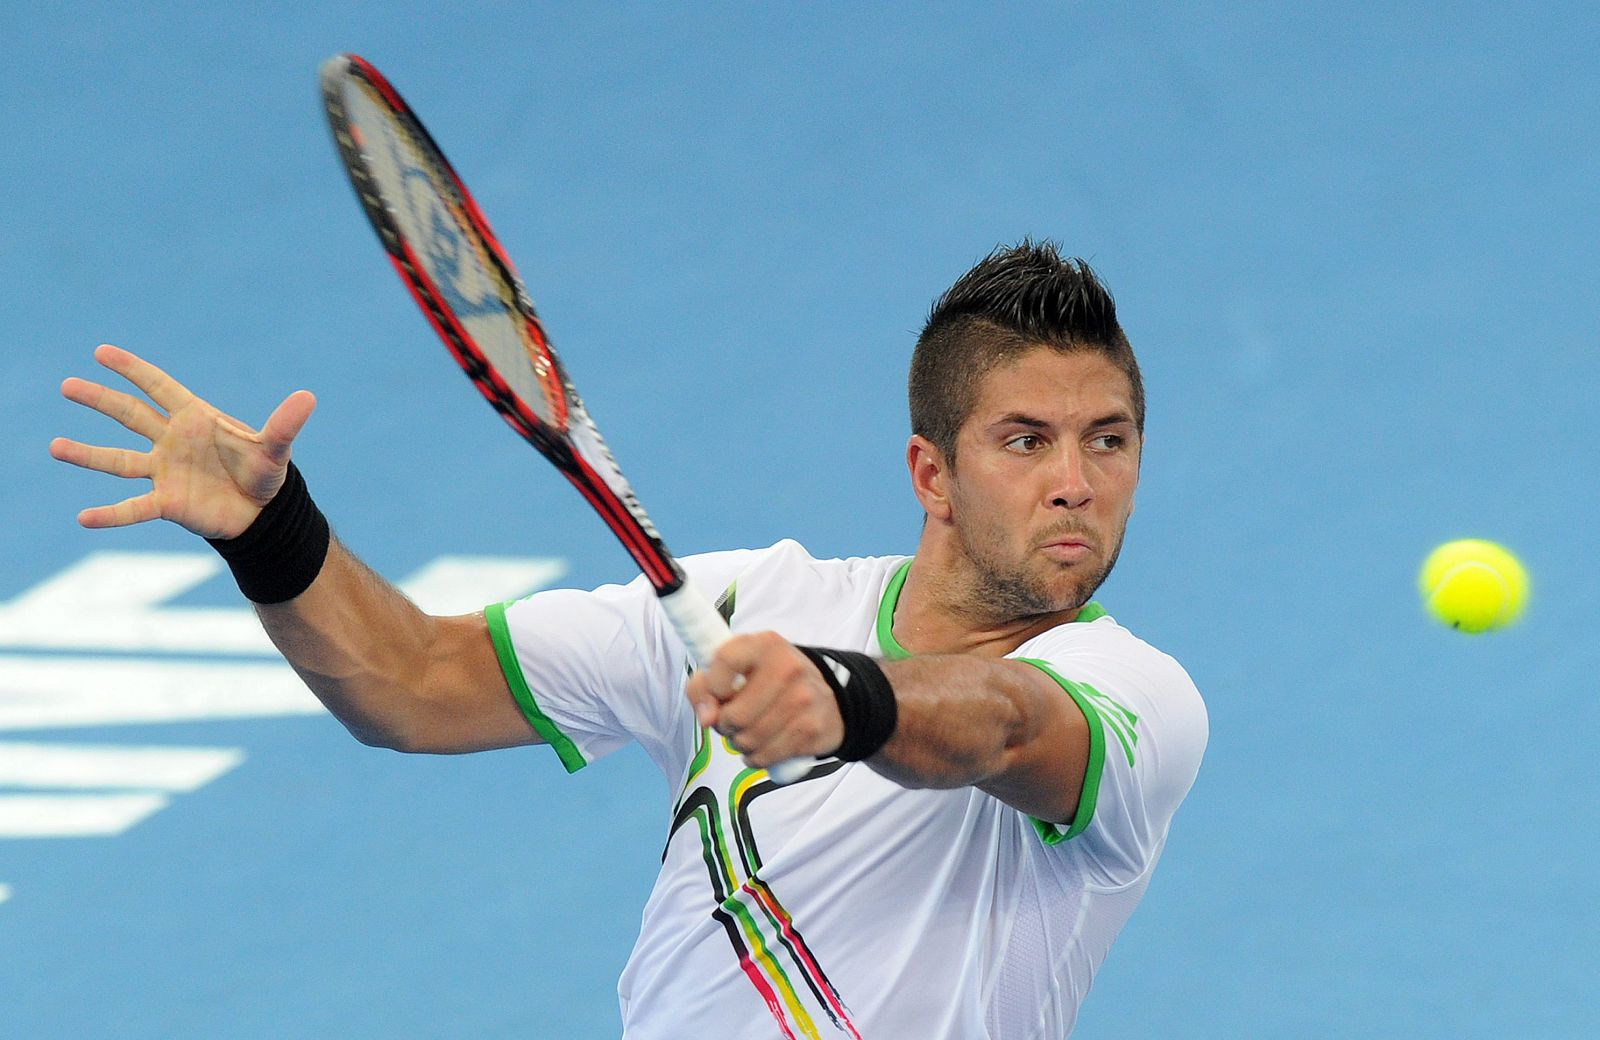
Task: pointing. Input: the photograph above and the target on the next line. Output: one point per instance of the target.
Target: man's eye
(1109, 441)
(1027, 442)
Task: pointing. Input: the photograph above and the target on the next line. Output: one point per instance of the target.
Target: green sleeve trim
(1050, 833)
(562, 744)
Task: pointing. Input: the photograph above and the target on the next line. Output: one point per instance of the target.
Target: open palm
(211, 474)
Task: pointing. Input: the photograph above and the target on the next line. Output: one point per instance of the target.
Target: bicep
(1001, 726)
(466, 703)
(1043, 769)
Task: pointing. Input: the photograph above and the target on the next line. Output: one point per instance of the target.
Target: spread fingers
(157, 385)
(124, 408)
(134, 510)
(119, 462)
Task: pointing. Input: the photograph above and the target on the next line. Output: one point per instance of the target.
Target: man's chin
(1042, 589)
(1069, 592)
(1040, 601)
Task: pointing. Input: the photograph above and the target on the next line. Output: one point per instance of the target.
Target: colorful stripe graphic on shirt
(771, 949)
(741, 906)
(749, 785)
(755, 959)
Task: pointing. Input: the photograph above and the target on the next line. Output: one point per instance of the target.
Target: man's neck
(938, 613)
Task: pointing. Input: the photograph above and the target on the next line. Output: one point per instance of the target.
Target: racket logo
(451, 261)
(449, 256)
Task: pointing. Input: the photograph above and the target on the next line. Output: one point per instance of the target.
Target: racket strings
(450, 260)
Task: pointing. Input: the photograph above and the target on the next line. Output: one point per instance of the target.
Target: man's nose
(1070, 481)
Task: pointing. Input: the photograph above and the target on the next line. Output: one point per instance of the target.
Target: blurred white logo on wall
(96, 645)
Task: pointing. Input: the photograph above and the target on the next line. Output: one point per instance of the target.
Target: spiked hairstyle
(1017, 298)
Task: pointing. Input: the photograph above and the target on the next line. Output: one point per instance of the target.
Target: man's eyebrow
(1019, 419)
(1118, 418)
(1113, 419)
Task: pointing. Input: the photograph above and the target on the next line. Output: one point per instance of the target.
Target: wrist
(281, 553)
(865, 698)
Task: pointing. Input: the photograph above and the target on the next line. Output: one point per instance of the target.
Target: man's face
(1041, 492)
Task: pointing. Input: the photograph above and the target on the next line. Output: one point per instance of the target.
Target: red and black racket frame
(621, 513)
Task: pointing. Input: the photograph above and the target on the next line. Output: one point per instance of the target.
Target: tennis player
(995, 761)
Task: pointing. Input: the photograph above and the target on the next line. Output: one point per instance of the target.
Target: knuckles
(782, 687)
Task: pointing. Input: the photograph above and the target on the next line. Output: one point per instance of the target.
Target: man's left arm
(1002, 726)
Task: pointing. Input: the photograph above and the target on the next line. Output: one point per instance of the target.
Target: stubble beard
(1006, 591)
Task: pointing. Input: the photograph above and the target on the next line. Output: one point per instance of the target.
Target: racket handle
(702, 630)
(788, 771)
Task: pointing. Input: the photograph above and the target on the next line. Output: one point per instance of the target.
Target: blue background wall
(1354, 248)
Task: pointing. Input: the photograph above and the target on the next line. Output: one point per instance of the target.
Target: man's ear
(930, 477)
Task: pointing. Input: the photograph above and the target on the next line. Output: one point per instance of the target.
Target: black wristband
(866, 700)
(279, 555)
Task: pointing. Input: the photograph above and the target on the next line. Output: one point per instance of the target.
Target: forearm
(936, 721)
(359, 644)
(958, 717)
(393, 675)
(998, 725)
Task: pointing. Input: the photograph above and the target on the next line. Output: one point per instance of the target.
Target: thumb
(706, 707)
(286, 422)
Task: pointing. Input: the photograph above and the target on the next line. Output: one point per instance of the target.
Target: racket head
(443, 248)
(449, 258)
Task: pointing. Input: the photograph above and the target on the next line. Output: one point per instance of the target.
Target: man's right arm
(396, 677)
(393, 675)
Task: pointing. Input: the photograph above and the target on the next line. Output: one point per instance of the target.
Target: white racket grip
(699, 625)
(702, 630)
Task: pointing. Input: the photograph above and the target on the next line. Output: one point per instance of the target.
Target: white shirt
(845, 905)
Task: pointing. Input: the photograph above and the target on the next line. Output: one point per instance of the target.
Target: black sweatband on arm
(281, 553)
(866, 700)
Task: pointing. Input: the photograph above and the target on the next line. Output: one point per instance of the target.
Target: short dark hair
(1016, 298)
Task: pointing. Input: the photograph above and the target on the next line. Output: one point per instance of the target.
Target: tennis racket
(471, 294)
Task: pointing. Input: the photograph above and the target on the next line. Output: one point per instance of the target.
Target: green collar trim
(893, 651)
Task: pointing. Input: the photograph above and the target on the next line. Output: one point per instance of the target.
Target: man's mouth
(1068, 548)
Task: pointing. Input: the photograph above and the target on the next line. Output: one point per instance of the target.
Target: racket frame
(620, 509)
(690, 612)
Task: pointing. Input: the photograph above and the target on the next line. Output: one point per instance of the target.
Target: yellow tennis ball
(1473, 585)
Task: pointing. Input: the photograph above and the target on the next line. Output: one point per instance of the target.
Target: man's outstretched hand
(211, 474)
